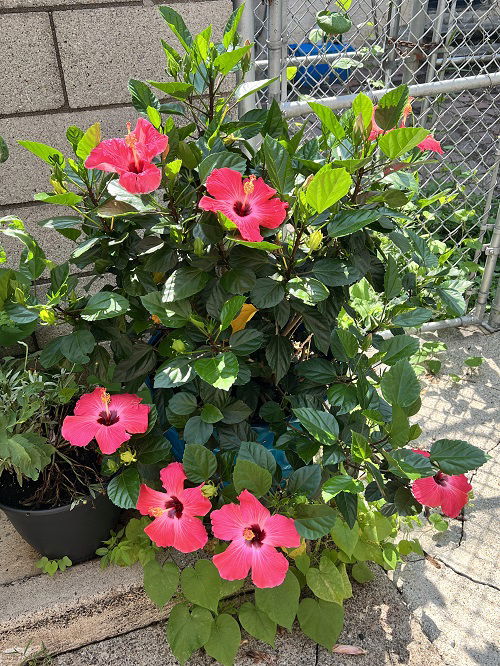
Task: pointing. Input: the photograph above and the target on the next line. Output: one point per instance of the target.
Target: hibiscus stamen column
(131, 140)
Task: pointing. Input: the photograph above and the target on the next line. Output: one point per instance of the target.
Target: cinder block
(101, 49)
(30, 80)
(24, 174)
(15, 4)
(56, 247)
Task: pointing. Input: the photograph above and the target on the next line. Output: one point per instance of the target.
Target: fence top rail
(432, 89)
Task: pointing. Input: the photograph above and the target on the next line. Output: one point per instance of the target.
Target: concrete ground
(442, 609)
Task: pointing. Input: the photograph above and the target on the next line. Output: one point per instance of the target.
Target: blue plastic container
(311, 75)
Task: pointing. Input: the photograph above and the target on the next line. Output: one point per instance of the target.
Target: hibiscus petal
(427, 491)
(79, 430)
(249, 227)
(280, 531)
(90, 403)
(193, 502)
(454, 495)
(110, 155)
(147, 180)
(252, 511)
(424, 453)
(430, 143)
(227, 522)
(172, 477)
(189, 534)
(270, 214)
(225, 184)
(132, 415)
(111, 437)
(161, 531)
(261, 191)
(149, 141)
(268, 566)
(150, 499)
(235, 562)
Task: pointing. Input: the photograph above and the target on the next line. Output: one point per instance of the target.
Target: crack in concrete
(457, 571)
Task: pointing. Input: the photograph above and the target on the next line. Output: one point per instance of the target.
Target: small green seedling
(474, 361)
(438, 522)
(51, 566)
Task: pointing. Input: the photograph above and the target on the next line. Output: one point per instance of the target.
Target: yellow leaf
(246, 313)
(298, 551)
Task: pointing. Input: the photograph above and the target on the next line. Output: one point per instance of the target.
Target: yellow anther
(249, 187)
(105, 397)
(156, 319)
(248, 535)
(156, 511)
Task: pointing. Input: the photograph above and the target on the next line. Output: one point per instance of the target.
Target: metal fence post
(416, 29)
(492, 251)
(246, 30)
(275, 46)
(494, 320)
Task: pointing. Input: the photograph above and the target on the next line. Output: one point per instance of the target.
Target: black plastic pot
(76, 532)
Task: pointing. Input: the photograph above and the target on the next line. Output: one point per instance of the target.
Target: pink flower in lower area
(451, 493)
(131, 157)
(430, 143)
(174, 512)
(109, 419)
(254, 536)
(248, 203)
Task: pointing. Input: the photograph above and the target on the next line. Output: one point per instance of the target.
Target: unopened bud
(209, 490)
(198, 247)
(315, 239)
(128, 457)
(58, 187)
(47, 316)
(178, 346)
(359, 126)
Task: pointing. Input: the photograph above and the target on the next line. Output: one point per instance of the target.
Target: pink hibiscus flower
(109, 419)
(429, 143)
(131, 157)
(174, 512)
(248, 203)
(254, 536)
(451, 493)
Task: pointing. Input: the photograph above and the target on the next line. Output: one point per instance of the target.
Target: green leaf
(341, 483)
(474, 361)
(247, 475)
(197, 431)
(321, 621)
(362, 573)
(43, 151)
(328, 119)
(172, 315)
(63, 199)
(345, 537)
(279, 355)
(278, 165)
(63, 224)
(399, 141)
(174, 373)
(187, 632)
(231, 27)
(183, 283)
(326, 582)
(257, 623)
(398, 347)
(201, 584)
(347, 504)
(411, 465)
(308, 290)
(280, 603)
(321, 425)
(414, 317)
(348, 341)
(244, 342)
(305, 480)
(211, 413)
(350, 221)
(142, 96)
(219, 371)
(390, 107)
(104, 305)
(123, 489)
(230, 309)
(362, 105)
(343, 396)
(317, 370)
(267, 293)
(313, 521)
(336, 273)
(220, 160)
(238, 280)
(392, 281)
(138, 364)
(77, 346)
(199, 463)
(160, 582)
(454, 456)
(236, 412)
(27, 453)
(224, 641)
(89, 141)
(178, 27)
(226, 61)
(400, 385)
(182, 403)
(249, 87)
(327, 187)
(258, 454)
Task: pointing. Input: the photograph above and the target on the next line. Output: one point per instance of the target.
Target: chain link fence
(448, 52)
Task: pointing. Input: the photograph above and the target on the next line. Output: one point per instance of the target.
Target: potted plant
(53, 494)
(259, 296)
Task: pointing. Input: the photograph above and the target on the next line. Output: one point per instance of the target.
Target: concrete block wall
(67, 62)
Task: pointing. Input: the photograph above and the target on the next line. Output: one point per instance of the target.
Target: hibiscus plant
(258, 280)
